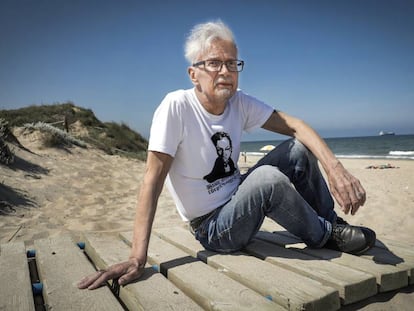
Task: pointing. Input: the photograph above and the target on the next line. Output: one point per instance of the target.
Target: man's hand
(346, 189)
(127, 272)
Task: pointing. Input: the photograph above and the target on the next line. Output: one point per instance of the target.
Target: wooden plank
(16, 288)
(353, 285)
(402, 250)
(61, 264)
(397, 257)
(388, 277)
(388, 252)
(208, 287)
(152, 292)
(385, 242)
(287, 288)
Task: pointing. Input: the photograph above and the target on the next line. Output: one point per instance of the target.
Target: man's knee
(299, 150)
(269, 175)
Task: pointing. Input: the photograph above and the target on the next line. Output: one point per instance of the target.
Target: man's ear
(192, 75)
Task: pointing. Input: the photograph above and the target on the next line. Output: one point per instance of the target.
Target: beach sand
(51, 191)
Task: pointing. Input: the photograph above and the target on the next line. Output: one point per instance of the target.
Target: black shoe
(341, 221)
(351, 239)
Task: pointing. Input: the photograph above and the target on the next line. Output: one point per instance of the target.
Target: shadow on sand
(26, 166)
(11, 198)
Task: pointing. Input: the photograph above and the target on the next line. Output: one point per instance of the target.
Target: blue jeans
(287, 186)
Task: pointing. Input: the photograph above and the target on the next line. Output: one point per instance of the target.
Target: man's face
(223, 148)
(216, 87)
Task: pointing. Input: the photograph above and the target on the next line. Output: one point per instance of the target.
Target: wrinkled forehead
(219, 49)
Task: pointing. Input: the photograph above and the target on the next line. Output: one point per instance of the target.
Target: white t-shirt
(204, 173)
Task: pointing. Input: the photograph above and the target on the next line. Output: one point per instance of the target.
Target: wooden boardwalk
(275, 272)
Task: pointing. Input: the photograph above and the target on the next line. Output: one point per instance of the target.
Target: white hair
(201, 37)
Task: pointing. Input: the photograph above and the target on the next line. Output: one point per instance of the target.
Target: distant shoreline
(264, 141)
(339, 156)
(258, 155)
(398, 147)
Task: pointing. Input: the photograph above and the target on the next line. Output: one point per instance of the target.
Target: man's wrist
(334, 165)
(139, 261)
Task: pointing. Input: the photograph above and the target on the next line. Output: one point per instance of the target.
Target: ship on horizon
(384, 133)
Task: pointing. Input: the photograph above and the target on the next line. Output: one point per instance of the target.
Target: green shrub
(6, 155)
(43, 113)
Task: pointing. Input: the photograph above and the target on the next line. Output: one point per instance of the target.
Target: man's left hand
(346, 189)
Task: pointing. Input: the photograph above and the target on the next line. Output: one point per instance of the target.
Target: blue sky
(346, 67)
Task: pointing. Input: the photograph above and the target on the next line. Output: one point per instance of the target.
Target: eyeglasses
(214, 65)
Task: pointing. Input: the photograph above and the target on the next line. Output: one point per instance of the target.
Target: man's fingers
(98, 279)
(104, 276)
(84, 283)
(132, 275)
(348, 192)
(126, 272)
(361, 194)
(343, 202)
(123, 280)
(358, 197)
(90, 279)
(354, 209)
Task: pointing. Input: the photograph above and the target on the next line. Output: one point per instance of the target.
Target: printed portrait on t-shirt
(224, 165)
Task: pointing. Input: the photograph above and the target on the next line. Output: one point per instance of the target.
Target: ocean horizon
(364, 147)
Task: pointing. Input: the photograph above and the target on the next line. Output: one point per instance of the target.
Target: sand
(73, 189)
(50, 191)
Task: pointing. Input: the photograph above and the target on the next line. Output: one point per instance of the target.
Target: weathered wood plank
(208, 287)
(152, 292)
(401, 249)
(396, 257)
(386, 243)
(353, 285)
(61, 264)
(15, 289)
(388, 277)
(388, 252)
(287, 288)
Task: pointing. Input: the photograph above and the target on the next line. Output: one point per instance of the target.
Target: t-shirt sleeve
(166, 128)
(255, 112)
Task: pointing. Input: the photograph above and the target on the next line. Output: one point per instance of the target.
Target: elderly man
(226, 211)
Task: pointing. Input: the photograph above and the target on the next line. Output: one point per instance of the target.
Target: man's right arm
(157, 167)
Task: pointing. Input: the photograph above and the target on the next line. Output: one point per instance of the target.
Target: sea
(370, 147)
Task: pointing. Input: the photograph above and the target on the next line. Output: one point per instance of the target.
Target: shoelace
(337, 233)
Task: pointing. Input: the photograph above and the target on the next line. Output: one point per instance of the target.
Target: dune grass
(56, 120)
